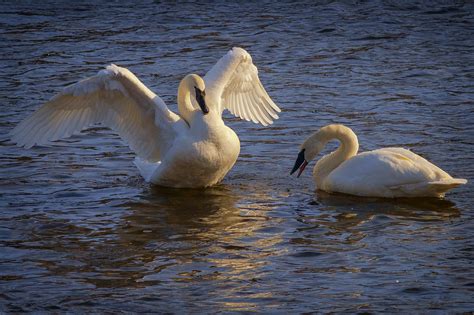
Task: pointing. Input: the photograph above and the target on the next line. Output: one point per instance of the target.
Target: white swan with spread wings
(192, 149)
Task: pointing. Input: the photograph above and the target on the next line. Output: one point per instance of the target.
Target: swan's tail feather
(146, 168)
(428, 189)
(443, 186)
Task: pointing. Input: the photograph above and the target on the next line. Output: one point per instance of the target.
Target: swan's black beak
(200, 99)
(300, 163)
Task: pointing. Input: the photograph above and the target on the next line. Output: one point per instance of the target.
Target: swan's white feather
(114, 97)
(194, 149)
(233, 84)
(147, 169)
(387, 172)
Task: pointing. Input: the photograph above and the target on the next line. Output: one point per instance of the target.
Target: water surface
(80, 230)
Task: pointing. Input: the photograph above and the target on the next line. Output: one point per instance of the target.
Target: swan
(387, 172)
(191, 149)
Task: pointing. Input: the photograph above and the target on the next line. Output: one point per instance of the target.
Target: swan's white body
(192, 149)
(388, 172)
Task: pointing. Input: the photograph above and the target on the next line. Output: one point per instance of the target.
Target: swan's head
(200, 91)
(309, 150)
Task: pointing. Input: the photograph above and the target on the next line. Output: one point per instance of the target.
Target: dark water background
(81, 231)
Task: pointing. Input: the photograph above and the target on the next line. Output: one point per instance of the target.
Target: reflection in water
(167, 238)
(423, 209)
(342, 212)
(166, 212)
(195, 236)
(337, 222)
(192, 236)
(365, 241)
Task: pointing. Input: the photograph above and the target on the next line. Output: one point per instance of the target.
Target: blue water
(80, 230)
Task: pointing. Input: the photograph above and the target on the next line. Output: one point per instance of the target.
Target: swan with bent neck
(387, 172)
(191, 149)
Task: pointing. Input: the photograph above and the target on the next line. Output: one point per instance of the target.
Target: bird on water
(193, 148)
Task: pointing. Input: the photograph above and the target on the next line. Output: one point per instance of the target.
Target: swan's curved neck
(185, 106)
(348, 148)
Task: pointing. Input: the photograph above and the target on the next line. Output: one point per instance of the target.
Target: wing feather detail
(233, 84)
(114, 97)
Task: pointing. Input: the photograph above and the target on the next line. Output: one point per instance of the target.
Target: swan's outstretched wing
(114, 97)
(233, 84)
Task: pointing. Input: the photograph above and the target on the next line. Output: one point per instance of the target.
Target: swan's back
(390, 172)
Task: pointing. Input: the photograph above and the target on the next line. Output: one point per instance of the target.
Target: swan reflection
(336, 222)
(421, 209)
(190, 236)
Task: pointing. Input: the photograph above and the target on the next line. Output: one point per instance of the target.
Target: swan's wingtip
(22, 144)
(146, 168)
(239, 51)
(112, 68)
(13, 137)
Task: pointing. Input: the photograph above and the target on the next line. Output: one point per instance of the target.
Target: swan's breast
(200, 161)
